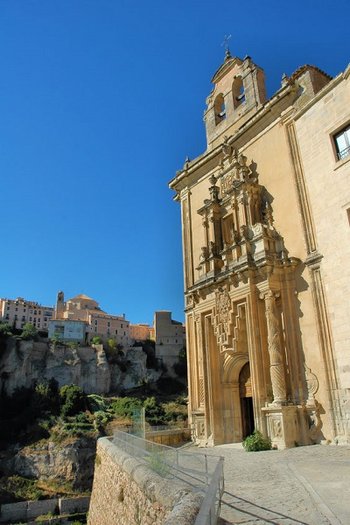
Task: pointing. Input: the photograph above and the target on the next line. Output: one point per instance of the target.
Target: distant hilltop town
(80, 319)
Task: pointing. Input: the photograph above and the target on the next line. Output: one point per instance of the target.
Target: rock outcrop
(71, 461)
(24, 362)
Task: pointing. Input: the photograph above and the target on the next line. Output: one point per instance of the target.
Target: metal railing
(210, 509)
(344, 153)
(201, 472)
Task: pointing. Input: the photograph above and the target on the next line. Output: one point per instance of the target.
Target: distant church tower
(60, 305)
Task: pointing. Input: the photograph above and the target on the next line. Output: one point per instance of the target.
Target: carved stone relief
(312, 384)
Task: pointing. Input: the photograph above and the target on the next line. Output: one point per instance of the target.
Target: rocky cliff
(24, 362)
(70, 462)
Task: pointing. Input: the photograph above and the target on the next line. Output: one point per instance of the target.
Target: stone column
(200, 365)
(275, 351)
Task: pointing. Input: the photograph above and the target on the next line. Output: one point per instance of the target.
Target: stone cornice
(225, 68)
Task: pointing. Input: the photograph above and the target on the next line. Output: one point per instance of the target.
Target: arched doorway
(245, 394)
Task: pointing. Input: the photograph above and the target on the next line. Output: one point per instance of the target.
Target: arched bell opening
(219, 109)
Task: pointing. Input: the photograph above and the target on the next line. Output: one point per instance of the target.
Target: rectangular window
(342, 143)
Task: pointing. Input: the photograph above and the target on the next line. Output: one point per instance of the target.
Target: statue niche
(237, 219)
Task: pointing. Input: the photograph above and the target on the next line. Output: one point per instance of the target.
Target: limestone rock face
(137, 372)
(24, 362)
(71, 462)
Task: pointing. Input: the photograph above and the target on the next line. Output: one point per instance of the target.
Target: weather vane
(225, 44)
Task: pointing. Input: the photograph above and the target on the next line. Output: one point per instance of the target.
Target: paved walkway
(306, 485)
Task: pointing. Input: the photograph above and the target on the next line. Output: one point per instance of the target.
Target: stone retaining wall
(127, 492)
(27, 510)
(171, 438)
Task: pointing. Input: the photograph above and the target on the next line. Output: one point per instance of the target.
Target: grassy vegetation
(17, 488)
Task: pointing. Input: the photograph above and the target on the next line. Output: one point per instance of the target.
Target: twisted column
(275, 351)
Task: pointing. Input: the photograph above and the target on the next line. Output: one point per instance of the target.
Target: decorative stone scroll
(312, 385)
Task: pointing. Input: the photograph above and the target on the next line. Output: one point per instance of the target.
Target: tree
(29, 332)
(155, 414)
(112, 351)
(5, 329)
(73, 400)
(96, 340)
(112, 344)
(5, 332)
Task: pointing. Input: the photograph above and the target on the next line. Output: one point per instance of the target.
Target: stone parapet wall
(27, 510)
(128, 492)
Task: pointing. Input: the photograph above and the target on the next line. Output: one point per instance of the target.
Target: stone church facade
(266, 230)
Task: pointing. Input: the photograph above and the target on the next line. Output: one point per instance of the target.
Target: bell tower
(60, 306)
(239, 91)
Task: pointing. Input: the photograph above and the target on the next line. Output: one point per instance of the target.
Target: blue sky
(100, 102)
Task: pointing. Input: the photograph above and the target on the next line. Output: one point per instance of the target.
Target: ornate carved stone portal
(243, 289)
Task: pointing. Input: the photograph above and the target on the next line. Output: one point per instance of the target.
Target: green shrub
(256, 442)
(18, 488)
(73, 400)
(5, 329)
(125, 406)
(154, 412)
(29, 332)
(175, 411)
(44, 517)
(96, 403)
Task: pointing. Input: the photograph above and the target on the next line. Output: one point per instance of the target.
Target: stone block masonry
(127, 492)
(29, 510)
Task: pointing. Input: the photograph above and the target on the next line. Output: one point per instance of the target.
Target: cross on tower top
(225, 45)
